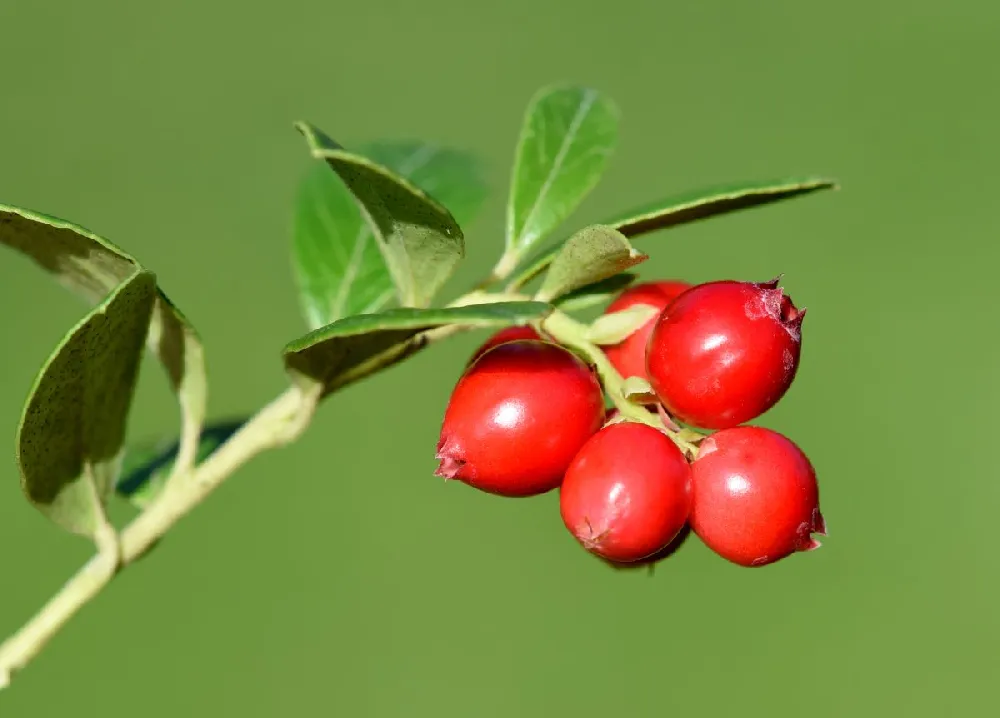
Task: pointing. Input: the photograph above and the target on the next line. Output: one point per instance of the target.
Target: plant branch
(277, 424)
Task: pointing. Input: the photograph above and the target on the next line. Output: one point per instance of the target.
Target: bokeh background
(338, 576)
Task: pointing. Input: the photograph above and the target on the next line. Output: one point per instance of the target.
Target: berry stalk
(571, 333)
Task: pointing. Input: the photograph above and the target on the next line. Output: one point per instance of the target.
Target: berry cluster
(529, 416)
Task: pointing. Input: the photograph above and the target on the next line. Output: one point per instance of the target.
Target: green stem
(279, 423)
(571, 333)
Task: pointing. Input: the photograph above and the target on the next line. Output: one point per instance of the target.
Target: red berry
(517, 417)
(510, 334)
(651, 562)
(755, 496)
(627, 494)
(629, 356)
(725, 352)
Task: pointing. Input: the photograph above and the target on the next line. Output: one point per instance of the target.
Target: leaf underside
(591, 255)
(339, 266)
(71, 433)
(686, 208)
(93, 267)
(421, 242)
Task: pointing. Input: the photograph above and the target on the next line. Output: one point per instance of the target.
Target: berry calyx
(517, 417)
(629, 356)
(627, 494)
(725, 352)
(756, 499)
(508, 334)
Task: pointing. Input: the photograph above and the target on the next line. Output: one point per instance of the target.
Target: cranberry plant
(613, 413)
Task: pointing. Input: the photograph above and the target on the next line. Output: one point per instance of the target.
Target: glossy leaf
(420, 240)
(147, 466)
(595, 294)
(338, 264)
(616, 327)
(591, 255)
(568, 135)
(92, 267)
(69, 440)
(338, 353)
(689, 207)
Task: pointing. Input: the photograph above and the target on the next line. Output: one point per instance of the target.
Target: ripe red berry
(509, 334)
(725, 352)
(517, 417)
(627, 494)
(755, 496)
(651, 562)
(629, 356)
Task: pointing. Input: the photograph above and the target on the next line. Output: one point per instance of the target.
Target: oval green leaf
(689, 207)
(419, 238)
(146, 467)
(338, 264)
(567, 137)
(591, 255)
(92, 267)
(339, 353)
(69, 440)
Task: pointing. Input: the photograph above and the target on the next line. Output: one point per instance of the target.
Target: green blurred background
(339, 577)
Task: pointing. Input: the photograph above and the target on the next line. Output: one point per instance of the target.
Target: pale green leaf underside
(146, 467)
(690, 207)
(70, 437)
(92, 267)
(338, 264)
(331, 355)
(420, 240)
(567, 137)
(591, 255)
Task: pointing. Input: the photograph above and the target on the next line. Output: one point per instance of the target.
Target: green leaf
(692, 206)
(338, 264)
(568, 135)
(70, 437)
(616, 327)
(146, 467)
(92, 267)
(339, 353)
(420, 240)
(689, 207)
(595, 294)
(80, 260)
(592, 254)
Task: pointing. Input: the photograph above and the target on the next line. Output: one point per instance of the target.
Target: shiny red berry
(509, 334)
(517, 417)
(629, 356)
(755, 496)
(725, 352)
(627, 494)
